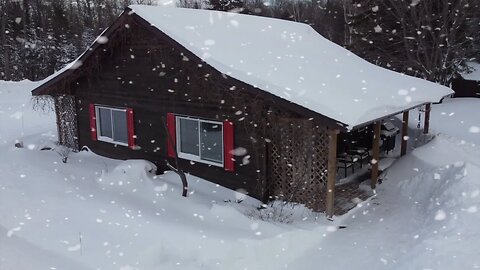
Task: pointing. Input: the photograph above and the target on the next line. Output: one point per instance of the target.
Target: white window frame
(192, 157)
(99, 131)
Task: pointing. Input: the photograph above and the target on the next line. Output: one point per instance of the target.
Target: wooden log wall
(144, 71)
(154, 78)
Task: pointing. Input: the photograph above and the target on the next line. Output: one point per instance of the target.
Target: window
(112, 125)
(200, 140)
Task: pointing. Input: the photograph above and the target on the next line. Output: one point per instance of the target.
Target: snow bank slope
(439, 183)
(446, 204)
(16, 114)
(29, 256)
(458, 117)
(423, 217)
(474, 75)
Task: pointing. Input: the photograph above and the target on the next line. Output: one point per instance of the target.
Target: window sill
(109, 140)
(195, 158)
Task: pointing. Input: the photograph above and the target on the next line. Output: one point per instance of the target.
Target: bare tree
(429, 38)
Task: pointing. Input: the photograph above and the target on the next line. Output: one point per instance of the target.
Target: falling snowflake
(102, 39)
(474, 129)
(440, 215)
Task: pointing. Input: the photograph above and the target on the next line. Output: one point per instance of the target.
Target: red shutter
(228, 144)
(171, 136)
(131, 128)
(93, 123)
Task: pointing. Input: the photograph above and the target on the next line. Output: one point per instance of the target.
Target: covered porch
(357, 158)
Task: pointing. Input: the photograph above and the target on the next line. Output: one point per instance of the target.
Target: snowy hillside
(474, 74)
(99, 213)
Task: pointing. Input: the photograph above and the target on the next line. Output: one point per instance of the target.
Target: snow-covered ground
(474, 73)
(459, 118)
(99, 213)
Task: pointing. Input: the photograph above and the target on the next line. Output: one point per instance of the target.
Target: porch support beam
(426, 125)
(403, 149)
(332, 170)
(375, 154)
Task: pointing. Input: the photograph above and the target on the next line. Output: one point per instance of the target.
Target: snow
(292, 61)
(458, 117)
(16, 113)
(171, 3)
(474, 75)
(98, 213)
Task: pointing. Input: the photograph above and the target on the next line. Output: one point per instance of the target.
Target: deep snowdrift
(459, 117)
(98, 213)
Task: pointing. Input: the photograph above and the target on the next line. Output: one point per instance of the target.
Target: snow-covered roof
(292, 61)
(474, 74)
(289, 60)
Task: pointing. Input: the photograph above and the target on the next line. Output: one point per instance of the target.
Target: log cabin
(246, 102)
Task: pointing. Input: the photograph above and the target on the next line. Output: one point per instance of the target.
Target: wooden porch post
(403, 150)
(332, 170)
(375, 153)
(426, 125)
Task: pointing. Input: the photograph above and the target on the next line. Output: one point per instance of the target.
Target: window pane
(120, 132)
(211, 142)
(105, 122)
(189, 136)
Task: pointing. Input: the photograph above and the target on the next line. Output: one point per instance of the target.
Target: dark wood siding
(147, 74)
(466, 88)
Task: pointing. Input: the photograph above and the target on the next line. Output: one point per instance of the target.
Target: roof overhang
(72, 71)
(388, 116)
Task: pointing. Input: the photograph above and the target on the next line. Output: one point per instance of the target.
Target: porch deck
(355, 188)
(348, 195)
